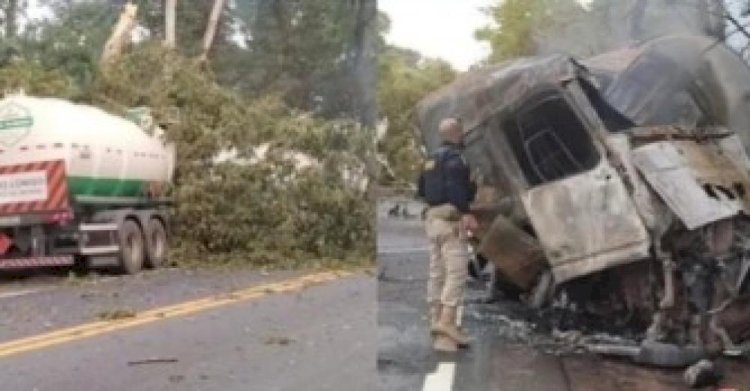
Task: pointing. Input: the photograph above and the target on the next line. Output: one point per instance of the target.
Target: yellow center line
(154, 315)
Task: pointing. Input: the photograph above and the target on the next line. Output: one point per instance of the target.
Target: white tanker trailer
(77, 184)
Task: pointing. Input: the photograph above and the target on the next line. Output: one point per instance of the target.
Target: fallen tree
(272, 211)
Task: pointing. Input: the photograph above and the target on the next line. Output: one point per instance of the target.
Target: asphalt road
(316, 337)
(507, 353)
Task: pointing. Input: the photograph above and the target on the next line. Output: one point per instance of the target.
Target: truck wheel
(156, 244)
(81, 265)
(131, 247)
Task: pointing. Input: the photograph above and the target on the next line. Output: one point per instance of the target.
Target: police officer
(446, 186)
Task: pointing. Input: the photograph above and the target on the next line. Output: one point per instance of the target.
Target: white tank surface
(105, 155)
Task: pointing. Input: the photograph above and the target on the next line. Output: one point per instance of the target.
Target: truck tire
(81, 265)
(132, 247)
(156, 244)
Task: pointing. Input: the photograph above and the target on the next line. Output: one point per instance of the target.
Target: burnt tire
(132, 248)
(156, 244)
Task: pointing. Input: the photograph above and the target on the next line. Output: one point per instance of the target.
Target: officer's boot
(434, 317)
(444, 343)
(447, 326)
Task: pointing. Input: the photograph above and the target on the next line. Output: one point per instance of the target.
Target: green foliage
(250, 212)
(163, 81)
(406, 78)
(191, 21)
(33, 79)
(518, 25)
(72, 42)
(301, 39)
(266, 211)
(308, 50)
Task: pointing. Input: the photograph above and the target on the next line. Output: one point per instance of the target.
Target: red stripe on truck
(57, 198)
(57, 188)
(12, 209)
(10, 170)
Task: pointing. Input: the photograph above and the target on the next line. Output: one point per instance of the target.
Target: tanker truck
(78, 184)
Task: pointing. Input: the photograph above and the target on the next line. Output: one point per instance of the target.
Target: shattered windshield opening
(549, 141)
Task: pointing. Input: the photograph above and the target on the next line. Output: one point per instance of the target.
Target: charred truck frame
(619, 185)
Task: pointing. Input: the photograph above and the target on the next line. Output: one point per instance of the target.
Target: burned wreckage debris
(619, 185)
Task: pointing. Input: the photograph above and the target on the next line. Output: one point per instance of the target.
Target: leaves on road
(276, 340)
(116, 314)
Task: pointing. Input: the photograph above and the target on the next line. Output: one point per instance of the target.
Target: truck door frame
(586, 221)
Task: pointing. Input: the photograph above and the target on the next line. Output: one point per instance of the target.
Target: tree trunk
(11, 19)
(365, 70)
(364, 75)
(213, 22)
(169, 23)
(365, 63)
(120, 35)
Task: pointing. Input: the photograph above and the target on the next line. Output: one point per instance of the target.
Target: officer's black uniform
(446, 179)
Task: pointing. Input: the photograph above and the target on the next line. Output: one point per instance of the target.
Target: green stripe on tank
(106, 187)
(14, 123)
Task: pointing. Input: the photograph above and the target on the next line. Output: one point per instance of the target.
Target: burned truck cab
(572, 192)
(635, 214)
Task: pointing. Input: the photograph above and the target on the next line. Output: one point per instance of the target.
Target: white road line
(22, 292)
(441, 379)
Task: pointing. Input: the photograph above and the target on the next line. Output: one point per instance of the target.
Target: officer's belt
(446, 212)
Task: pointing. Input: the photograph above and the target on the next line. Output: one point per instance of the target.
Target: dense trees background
(320, 55)
(528, 27)
(404, 78)
(274, 133)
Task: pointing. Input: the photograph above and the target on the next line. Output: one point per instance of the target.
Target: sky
(438, 28)
(36, 11)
